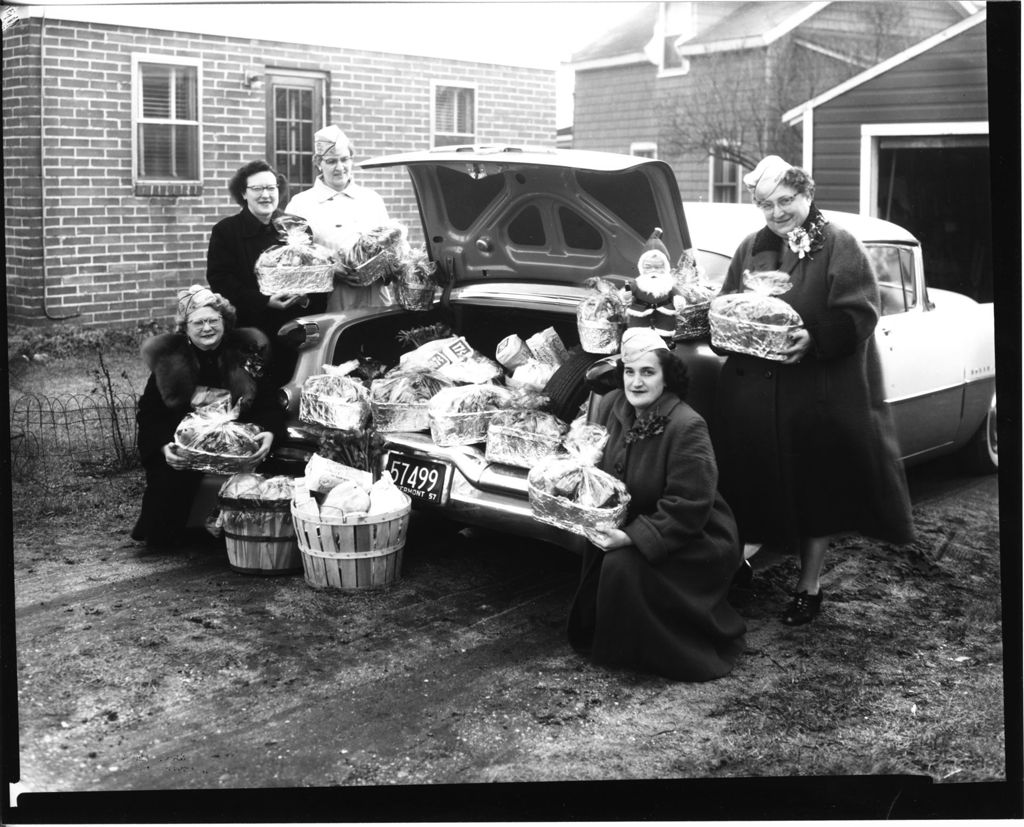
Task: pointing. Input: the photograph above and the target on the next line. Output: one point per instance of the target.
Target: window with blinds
(454, 115)
(166, 121)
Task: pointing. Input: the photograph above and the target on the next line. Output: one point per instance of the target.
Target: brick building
(703, 85)
(119, 141)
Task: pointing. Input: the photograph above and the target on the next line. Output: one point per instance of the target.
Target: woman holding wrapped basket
(338, 209)
(805, 441)
(236, 243)
(207, 357)
(653, 593)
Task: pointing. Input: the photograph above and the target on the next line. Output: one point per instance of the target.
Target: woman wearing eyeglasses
(206, 351)
(806, 447)
(236, 243)
(336, 207)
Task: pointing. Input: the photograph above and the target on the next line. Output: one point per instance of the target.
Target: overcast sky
(526, 33)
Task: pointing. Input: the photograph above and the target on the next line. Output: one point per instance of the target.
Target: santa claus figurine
(653, 290)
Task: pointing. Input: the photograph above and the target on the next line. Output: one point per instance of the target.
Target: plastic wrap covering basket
(260, 536)
(198, 460)
(415, 296)
(459, 428)
(302, 278)
(376, 267)
(519, 447)
(357, 552)
(570, 516)
(391, 417)
(692, 322)
(599, 336)
(753, 338)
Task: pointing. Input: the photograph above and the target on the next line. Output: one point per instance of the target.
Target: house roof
(626, 40)
(796, 114)
(752, 25)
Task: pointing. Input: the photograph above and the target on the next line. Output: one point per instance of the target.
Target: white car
(515, 231)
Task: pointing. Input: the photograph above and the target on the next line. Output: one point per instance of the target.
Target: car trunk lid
(540, 215)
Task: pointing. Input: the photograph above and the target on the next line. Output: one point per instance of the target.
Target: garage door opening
(939, 190)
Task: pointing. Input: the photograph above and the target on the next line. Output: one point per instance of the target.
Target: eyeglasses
(783, 202)
(261, 190)
(340, 159)
(199, 324)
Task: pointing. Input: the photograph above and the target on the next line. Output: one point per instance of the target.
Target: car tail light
(300, 334)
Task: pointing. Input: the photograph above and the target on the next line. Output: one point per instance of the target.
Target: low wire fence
(92, 432)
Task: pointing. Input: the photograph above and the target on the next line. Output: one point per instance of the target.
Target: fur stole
(241, 357)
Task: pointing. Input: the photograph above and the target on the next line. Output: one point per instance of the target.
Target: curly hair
(237, 184)
(799, 179)
(677, 377)
(196, 296)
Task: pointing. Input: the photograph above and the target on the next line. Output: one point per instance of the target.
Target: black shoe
(803, 608)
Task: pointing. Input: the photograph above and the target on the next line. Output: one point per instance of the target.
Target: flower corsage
(646, 427)
(804, 241)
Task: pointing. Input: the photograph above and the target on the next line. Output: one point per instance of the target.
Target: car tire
(981, 453)
(567, 388)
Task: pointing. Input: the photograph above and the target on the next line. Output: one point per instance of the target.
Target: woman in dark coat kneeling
(653, 594)
(207, 351)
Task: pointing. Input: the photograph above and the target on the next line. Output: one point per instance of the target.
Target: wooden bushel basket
(359, 552)
(260, 537)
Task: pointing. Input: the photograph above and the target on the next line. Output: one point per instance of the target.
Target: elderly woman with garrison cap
(806, 446)
(652, 594)
(207, 351)
(336, 207)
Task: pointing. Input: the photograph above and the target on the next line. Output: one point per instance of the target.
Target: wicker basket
(570, 516)
(358, 552)
(390, 417)
(415, 297)
(377, 267)
(302, 278)
(197, 460)
(260, 536)
(753, 338)
(599, 336)
(692, 322)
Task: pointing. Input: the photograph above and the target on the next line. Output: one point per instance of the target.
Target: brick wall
(116, 254)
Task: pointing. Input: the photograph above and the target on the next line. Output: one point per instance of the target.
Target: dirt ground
(172, 672)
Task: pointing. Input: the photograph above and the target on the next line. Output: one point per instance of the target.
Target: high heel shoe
(803, 608)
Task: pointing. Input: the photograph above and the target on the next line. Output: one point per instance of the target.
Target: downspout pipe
(42, 172)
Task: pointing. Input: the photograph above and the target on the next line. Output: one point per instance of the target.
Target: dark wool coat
(660, 605)
(177, 369)
(236, 243)
(809, 450)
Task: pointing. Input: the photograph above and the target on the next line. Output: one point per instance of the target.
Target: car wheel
(567, 388)
(981, 454)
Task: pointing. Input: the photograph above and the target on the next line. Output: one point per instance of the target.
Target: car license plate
(424, 480)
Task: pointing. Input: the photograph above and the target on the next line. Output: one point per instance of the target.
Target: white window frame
(642, 148)
(870, 133)
(661, 32)
(453, 84)
(170, 60)
(711, 182)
